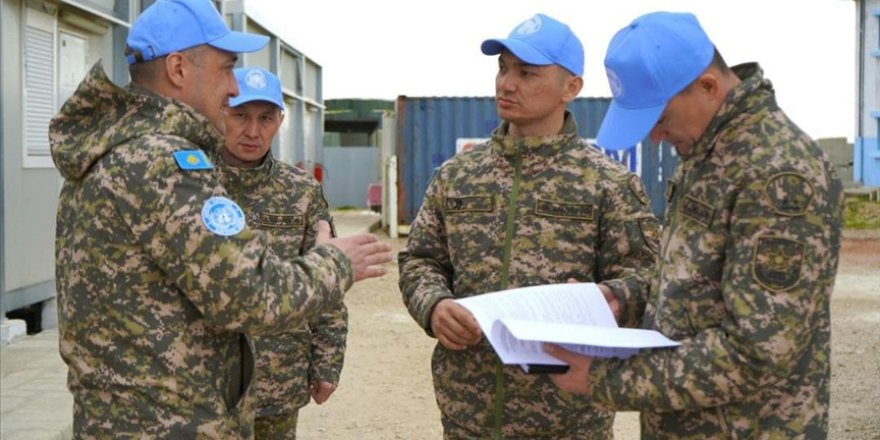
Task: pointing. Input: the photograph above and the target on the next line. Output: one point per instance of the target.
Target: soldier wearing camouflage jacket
(286, 203)
(534, 205)
(152, 305)
(744, 279)
(523, 212)
(158, 276)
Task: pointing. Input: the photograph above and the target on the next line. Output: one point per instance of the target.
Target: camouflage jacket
(287, 204)
(152, 304)
(748, 260)
(524, 212)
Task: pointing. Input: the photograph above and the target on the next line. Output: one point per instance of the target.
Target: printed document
(576, 316)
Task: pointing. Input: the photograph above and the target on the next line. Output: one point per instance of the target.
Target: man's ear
(175, 68)
(573, 86)
(708, 83)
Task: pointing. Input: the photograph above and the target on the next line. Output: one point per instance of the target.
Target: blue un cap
(256, 84)
(541, 40)
(174, 25)
(647, 63)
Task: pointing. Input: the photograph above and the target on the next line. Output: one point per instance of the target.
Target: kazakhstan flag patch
(192, 160)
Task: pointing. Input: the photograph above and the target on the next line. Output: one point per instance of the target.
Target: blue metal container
(429, 128)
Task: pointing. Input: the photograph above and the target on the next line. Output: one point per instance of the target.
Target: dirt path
(386, 393)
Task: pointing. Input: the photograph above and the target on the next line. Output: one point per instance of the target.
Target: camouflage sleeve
(425, 267)
(318, 210)
(629, 235)
(330, 328)
(328, 332)
(773, 277)
(235, 281)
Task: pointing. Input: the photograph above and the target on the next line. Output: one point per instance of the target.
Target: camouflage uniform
(152, 305)
(524, 212)
(287, 204)
(744, 281)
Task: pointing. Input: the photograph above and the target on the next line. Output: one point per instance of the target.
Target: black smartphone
(544, 368)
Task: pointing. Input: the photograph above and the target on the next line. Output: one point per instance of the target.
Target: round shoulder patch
(778, 262)
(789, 193)
(222, 216)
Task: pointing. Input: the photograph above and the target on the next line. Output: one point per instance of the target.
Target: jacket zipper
(505, 272)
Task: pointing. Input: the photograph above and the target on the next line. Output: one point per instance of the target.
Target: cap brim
(623, 128)
(244, 99)
(521, 50)
(240, 42)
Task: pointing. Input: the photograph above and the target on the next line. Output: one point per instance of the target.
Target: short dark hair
(143, 72)
(718, 61)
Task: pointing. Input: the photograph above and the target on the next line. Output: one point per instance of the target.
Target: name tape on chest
(283, 221)
(566, 210)
(470, 204)
(697, 210)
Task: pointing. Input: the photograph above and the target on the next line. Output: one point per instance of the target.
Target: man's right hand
(454, 326)
(366, 253)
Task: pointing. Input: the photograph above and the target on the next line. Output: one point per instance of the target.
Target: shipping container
(430, 130)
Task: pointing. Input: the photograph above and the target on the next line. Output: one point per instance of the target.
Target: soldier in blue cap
(748, 255)
(534, 205)
(288, 204)
(159, 277)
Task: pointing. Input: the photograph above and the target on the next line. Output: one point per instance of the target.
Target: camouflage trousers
(276, 427)
(601, 429)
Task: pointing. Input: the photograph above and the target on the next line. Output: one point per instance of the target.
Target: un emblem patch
(255, 79)
(530, 26)
(223, 216)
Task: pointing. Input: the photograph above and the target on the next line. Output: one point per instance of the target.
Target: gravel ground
(385, 391)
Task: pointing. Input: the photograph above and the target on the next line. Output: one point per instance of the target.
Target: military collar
(249, 177)
(534, 145)
(752, 91)
(180, 118)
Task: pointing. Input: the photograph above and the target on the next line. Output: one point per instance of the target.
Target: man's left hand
(321, 391)
(613, 303)
(577, 378)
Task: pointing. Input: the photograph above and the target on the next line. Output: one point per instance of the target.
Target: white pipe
(392, 196)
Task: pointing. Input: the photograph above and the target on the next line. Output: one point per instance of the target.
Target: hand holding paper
(454, 326)
(576, 316)
(577, 378)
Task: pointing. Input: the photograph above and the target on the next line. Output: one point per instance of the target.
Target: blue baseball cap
(256, 84)
(541, 40)
(174, 25)
(647, 63)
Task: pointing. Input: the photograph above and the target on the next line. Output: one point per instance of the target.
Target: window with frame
(38, 46)
(876, 14)
(56, 54)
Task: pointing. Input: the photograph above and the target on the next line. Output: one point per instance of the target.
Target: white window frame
(58, 68)
(48, 22)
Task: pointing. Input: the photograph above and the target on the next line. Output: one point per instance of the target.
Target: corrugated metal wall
(350, 171)
(428, 128)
